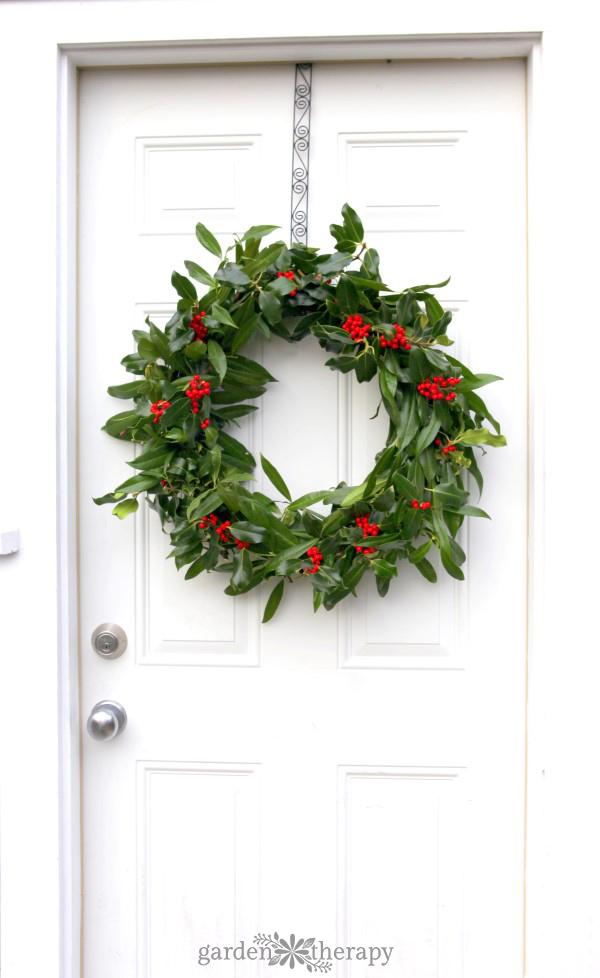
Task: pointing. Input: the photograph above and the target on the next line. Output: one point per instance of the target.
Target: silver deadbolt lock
(109, 641)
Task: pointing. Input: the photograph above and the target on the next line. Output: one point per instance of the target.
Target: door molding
(72, 58)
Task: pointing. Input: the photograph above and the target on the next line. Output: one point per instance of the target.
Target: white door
(354, 776)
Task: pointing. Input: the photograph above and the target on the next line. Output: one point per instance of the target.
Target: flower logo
(292, 952)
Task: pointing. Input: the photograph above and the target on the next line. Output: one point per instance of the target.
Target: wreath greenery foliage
(193, 383)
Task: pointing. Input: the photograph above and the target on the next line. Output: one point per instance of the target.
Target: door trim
(73, 58)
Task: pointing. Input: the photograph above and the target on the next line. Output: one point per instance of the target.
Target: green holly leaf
(249, 532)
(425, 288)
(308, 500)
(481, 436)
(270, 307)
(476, 381)
(275, 477)
(129, 390)
(330, 264)
(448, 495)
(125, 507)
(290, 553)
(347, 296)
(203, 504)
(417, 365)
(427, 435)
(266, 257)
(139, 483)
(197, 272)
(416, 555)
(405, 487)
(451, 567)
(184, 287)
(366, 367)
(222, 316)
(353, 224)
(388, 385)
(273, 602)
(259, 231)
(110, 497)
(217, 358)
(242, 569)
(195, 350)
(472, 511)
(208, 240)
(427, 570)
(383, 569)
(232, 274)
(370, 261)
(366, 283)
(196, 568)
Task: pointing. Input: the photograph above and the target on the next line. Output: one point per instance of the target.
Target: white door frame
(72, 60)
(58, 889)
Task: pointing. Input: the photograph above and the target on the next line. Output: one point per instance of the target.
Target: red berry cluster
(289, 274)
(447, 448)
(357, 328)
(211, 520)
(198, 326)
(369, 530)
(205, 423)
(158, 409)
(435, 387)
(315, 558)
(398, 341)
(196, 391)
(416, 505)
(221, 529)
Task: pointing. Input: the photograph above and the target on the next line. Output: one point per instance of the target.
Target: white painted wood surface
(42, 45)
(358, 774)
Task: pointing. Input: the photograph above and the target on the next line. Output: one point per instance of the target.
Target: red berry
(357, 329)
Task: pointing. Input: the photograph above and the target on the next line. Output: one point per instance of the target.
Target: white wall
(564, 799)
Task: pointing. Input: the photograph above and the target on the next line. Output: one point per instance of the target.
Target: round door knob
(107, 720)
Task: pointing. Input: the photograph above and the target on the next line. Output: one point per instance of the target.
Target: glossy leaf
(184, 287)
(195, 350)
(125, 507)
(270, 307)
(222, 315)
(249, 532)
(273, 602)
(197, 272)
(242, 569)
(427, 570)
(481, 436)
(217, 358)
(353, 224)
(367, 283)
(232, 274)
(259, 231)
(334, 263)
(274, 476)
(138, 483)
(208, 240)
(309, 499)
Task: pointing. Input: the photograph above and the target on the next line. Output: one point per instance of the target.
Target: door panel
(358, 775)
